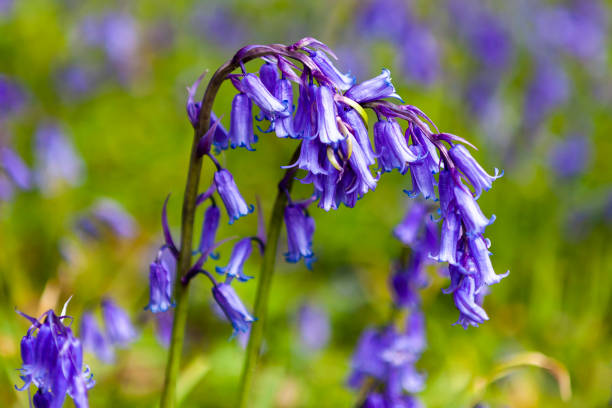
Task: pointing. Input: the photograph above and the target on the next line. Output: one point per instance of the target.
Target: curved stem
(260, 309)
(168, 397)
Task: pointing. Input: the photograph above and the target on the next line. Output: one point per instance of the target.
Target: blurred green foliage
(134, 138)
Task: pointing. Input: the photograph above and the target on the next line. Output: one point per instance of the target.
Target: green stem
(265, 282)
(168, 396)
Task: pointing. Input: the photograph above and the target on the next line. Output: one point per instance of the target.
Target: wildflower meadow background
(94, 135)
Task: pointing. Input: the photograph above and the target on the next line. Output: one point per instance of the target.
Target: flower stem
(264, 284)
(168, 396)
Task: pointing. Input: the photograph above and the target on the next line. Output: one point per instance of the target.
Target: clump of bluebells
(383, 365)
(342, 161)
(53, 361)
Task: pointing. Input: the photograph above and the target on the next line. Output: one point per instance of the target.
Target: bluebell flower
(209, 229)
(474, 220)
(57, 162)
(300, 229)
(391, 147)
(478, 177)
(262, 97)
(314, 327)
(117, 323)
(326, 186)
(479, 252)
(232, 307)
(15, 168)
(419, 53)
(220, 137)
(234, 203)
(353, 119)
(241, 123)
(162, 276)
(305, 120)
(312, 154)
(431, 152)
(53, 362)
(358, 163)
(331, 72)
(379, 87)
(471, 312)
(451, 229)
(240, 253)
(268, 73)
(284, 124)
(327, 126)
(94, 340)
(421, 175)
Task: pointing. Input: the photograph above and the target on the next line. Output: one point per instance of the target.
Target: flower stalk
(264, 284)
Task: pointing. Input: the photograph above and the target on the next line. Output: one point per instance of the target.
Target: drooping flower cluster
(162, 276)
(336, 155)
(53, 361)
(119, 331)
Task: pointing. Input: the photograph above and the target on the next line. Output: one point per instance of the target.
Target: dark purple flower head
(300, 229)
(477, 176)
(314, 327)
(379, 87)
(331, 72)
(240, 253)
(56, 160)
(117, 323)
(94, 340)
(232, 307)
(15, 168)
(53, 362)
(570, 158)
(327, 112)
(234, 203)
(162, 275)
(12, 97)
(391, 147)
(241, 124)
